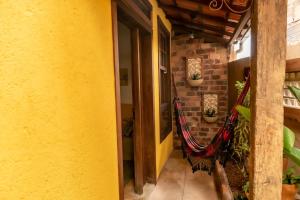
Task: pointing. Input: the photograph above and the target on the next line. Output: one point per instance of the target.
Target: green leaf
(288, 138)
(294, 155)
(245, 112)
(295, 91)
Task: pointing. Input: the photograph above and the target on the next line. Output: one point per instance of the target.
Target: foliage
(196, 76)
(240, 86)
(241, 145)
(243, 196)
(240, 197)
(288, 137)
(210, 112)
(290, 178)
(295, 91)
(246, 187)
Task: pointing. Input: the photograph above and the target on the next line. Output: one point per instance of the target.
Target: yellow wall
(58, 129)
(164, 149)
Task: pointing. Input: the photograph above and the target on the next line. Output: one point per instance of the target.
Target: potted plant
(210, 115)
(289, 184)
(288, 137)
(195, 79)
(290, 181)
(240, 146)
(289, 188)
(246, 189)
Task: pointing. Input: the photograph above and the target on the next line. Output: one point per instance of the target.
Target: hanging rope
(214, 5)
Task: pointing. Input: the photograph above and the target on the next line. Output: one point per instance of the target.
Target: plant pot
(288, 192)
(210, 119)
(195, 83)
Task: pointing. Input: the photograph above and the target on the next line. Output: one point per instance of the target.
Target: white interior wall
(125, 61)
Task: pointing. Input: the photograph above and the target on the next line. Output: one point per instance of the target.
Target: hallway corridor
(177, 182)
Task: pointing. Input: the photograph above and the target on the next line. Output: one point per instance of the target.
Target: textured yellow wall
(163, 149)
(58, 129)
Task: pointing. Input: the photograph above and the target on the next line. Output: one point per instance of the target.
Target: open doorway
(134, 96)
(127, 107)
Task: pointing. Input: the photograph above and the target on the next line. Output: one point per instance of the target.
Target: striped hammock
(198, 154)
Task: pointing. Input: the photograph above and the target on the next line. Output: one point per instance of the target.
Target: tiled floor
(177, 182)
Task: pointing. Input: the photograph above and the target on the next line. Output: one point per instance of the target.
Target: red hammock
(220, 143)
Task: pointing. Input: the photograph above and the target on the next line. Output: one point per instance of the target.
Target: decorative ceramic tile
(210, 101)
(193, 67)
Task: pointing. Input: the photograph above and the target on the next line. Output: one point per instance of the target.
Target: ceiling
(210, 19)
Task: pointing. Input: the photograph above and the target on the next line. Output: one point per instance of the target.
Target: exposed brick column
(214, 61)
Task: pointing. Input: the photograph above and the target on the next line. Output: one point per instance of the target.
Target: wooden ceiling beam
(185, 29)
(231, 3)
(201, 27)
(293, 65)
(204, 6)
(243, 22)
(194, 14)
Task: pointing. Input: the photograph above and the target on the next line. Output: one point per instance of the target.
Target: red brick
(215, 82)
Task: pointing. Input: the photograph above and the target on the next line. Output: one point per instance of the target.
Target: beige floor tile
(130, 195)
(199, 186)
(177, 182)
(170, 184)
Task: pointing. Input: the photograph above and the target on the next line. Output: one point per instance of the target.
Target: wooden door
(143, 92)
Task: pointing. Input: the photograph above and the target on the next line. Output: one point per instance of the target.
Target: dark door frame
(143, 94)
(137, 108)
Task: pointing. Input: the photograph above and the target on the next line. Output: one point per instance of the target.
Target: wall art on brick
(193, 66)
(210, 101)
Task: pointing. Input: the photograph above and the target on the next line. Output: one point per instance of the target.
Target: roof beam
(204, 6)
(182, 28)
(200, 27)
(194, 14)
(244, 20)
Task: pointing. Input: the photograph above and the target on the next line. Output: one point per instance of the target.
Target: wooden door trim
(148, 167)
(148, 109)
(114, 7)
(132, 10)
(137, 102)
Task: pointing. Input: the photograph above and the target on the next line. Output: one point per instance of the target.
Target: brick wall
(214, 62)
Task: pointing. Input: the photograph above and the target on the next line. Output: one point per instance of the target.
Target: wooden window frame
(163, 32)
